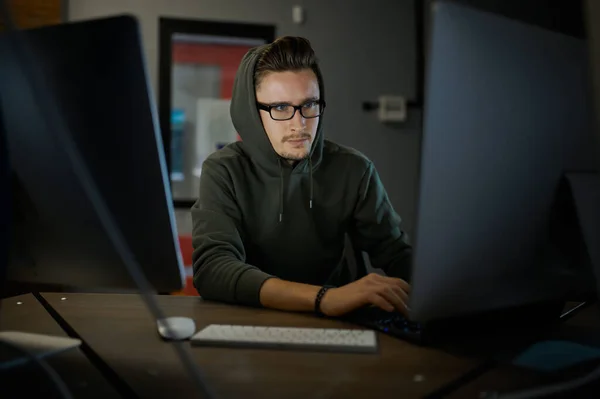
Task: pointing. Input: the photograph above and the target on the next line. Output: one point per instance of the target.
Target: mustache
(302, 136)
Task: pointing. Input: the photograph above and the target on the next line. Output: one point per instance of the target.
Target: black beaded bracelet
(319, 297)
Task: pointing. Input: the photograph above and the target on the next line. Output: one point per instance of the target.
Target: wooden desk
(25, 313)
(120, 329)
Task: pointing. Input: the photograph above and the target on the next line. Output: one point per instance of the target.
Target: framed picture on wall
(198, 61)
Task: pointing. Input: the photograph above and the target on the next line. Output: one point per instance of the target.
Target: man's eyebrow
(314, 98)
(306, 100)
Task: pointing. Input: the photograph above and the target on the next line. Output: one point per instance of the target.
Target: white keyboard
(328, 339)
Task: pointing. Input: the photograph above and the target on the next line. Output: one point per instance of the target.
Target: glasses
(284, 112)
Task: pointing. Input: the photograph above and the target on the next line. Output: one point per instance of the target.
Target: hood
(247, 122)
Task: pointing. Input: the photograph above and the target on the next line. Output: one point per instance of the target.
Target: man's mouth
(297, 140)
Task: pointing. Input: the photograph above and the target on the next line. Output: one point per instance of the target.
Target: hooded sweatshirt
(258, 217)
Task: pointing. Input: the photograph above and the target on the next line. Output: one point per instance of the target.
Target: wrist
(319, 308)
(286, 295)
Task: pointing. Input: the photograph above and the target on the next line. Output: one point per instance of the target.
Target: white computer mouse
(176, 328)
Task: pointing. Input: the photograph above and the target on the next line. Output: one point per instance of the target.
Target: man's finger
(402, 284)
(401, 293)
(381, 302)
(395, 299)
(398, 282)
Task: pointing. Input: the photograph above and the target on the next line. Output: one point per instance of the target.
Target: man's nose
(298, 121)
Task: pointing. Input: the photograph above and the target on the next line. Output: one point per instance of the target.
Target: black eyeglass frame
(266, 107)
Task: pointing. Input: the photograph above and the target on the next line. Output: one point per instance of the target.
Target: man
(270, 221)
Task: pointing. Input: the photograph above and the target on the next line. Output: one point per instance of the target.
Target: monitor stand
(585, 196)
(495, 334)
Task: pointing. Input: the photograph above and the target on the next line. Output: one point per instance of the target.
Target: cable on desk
(55, 124)
(50, 372)
(573, 311)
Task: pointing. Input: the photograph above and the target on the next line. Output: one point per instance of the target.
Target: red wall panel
(226, 57)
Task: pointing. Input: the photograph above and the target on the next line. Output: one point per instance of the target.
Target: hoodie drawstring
(281, 188)
(311, 182)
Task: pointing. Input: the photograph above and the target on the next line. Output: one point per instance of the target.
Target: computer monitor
(507, 112)
(95, 93)
(5, 210)
(592, 12)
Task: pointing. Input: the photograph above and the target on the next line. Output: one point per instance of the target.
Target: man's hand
(387, 293)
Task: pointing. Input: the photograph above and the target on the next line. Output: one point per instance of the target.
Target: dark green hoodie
(258, 217)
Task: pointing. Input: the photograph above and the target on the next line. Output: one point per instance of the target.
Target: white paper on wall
(214, 128)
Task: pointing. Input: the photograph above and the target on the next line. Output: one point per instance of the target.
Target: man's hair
(288, 53)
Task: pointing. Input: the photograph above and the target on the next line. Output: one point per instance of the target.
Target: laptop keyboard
(391, 323)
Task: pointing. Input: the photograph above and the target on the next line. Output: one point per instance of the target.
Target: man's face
(292, 138)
